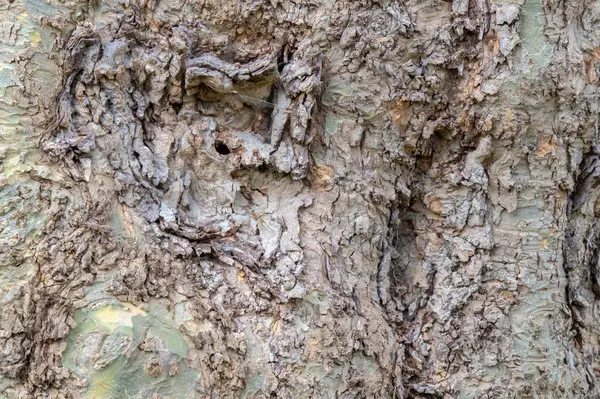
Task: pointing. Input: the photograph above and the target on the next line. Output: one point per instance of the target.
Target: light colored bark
(214, 199)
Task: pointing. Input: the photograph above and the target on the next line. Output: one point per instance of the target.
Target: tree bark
(299, 199)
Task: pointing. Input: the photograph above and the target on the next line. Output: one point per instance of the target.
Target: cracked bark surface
(299, 199)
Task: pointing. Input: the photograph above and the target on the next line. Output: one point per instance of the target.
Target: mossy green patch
(106, 349)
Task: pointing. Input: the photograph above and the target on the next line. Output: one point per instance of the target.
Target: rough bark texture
(299, 199)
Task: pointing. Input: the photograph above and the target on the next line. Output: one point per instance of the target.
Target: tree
(252, 198)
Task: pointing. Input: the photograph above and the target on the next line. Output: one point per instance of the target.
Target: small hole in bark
(177, 108)
(280, 61)
(222, 148)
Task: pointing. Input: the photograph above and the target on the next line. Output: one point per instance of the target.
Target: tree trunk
(299, 199)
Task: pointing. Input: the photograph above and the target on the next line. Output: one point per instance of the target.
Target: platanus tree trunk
(299, 199)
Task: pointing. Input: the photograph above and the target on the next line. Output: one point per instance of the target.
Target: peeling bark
(205, 199)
